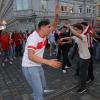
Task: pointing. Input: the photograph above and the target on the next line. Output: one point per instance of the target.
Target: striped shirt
(37, 44)
(88, 32)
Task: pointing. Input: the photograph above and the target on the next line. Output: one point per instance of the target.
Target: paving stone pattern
(13, 85)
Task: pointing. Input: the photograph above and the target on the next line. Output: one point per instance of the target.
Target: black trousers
(90, 68)
(18, 50)
(66, 60)
(83, 71)
(59, 52)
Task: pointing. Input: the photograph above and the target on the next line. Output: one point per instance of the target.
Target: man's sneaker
(67, 67)
(10, 62)
(81, 90)
(89, 80)
(64, 71)
(48, 91)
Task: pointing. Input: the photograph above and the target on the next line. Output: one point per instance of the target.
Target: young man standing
(84, 54)
(89, 32)
(33, 57)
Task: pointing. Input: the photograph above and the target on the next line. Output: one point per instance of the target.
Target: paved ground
(14, 87)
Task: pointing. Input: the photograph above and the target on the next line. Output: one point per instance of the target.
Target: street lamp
(84, 9)
(34, 20)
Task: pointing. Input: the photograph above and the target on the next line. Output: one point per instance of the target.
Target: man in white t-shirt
(33, 57)
(84, 54)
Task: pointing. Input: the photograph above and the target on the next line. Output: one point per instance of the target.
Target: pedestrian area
(13, 85)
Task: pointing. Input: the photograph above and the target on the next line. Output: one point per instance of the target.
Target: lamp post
(34, 20)
(84, 12)
(94, 12)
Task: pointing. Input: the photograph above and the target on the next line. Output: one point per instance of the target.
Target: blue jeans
(12, 51)
(5, 54)
(97, 55)
(35, 77)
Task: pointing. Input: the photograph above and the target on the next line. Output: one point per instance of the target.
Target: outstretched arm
(75, 32)
(57, 12)
(65, 40)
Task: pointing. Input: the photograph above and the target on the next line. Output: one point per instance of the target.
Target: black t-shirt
(63, 35)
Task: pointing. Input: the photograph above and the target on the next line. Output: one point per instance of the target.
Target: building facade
(98, 12)
(22, 15)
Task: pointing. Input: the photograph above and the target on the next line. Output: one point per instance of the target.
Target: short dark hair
(84, 23)
(43, 22)
(79, 26)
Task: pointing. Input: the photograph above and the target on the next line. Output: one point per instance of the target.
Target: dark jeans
(59, 52)
(90, 68)
(73, 50)
(5, 54)
(66, 60)
(18, 50)
(83, 71)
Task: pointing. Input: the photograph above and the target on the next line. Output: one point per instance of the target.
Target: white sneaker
(48, 91)
(10, 62)
(64, 71)
(67, 67)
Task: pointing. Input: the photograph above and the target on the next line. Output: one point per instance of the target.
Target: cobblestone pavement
(13, 85)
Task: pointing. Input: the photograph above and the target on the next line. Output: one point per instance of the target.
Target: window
(79, 10)
(64, 8)
(22, 4)
(70, 9)
(89, 10)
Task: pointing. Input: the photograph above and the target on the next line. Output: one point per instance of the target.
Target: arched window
(22, 4)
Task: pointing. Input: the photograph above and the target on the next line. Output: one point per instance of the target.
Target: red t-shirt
(11, 42)
(4, 39)
(17, 39)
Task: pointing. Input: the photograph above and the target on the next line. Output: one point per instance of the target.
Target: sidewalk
(14, 87)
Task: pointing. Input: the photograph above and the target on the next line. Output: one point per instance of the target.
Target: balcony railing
(23, 13)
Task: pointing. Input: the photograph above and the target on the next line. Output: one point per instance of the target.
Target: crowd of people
(11, 45)
(64, 42)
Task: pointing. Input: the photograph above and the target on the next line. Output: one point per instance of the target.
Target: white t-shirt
(37, 44)
(82, 46)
